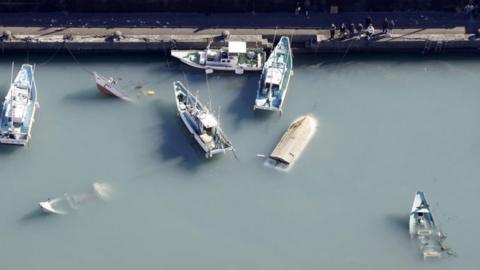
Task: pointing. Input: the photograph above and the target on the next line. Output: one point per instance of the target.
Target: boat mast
(12, 89)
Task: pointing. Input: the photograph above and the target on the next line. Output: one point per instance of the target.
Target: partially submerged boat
(235, 57)
(109, 86)
(292, 143)
(273, 84)
(67, 203)
(200, 122)
(423, 228)
(19, 108)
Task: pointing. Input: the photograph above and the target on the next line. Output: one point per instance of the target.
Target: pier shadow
(176, 143)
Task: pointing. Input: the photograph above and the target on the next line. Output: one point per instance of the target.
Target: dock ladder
(439, 46)
(428, 45)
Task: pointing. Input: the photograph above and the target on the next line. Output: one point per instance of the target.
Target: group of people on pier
(351, 30)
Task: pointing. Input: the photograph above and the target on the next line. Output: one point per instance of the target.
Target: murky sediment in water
(388, 126)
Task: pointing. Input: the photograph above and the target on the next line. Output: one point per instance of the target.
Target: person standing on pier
(385, 25)
(332, 31)
(368, 21)
(351, 29)
(343, 31)
(359, 29)
(391, 25)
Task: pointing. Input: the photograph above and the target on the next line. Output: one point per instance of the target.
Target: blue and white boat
(273, 84)
(19, 107)
(200, 122)
(422, 226)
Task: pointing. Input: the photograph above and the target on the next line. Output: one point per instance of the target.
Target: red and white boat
(109, 87)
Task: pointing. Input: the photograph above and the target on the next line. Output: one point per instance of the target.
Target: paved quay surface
(413, 29)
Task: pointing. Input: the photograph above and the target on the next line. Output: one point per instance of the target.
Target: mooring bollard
(117, 35)
(225, 34)
(7, 35)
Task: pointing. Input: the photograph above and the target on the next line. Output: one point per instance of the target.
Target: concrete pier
(420, 33)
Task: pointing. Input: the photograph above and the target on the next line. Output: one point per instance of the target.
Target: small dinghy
(423, 228)
(70, 202)
(273, 84)
(200, 122)
(109, 87)
(293, 142)
(19, 108)
(235, 57)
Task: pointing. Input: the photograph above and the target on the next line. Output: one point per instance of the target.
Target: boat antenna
(12, 88)
(208, 91)
(11, 74)
(274, 35)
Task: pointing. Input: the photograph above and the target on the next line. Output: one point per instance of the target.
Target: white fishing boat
(423, 228)
(69, 202)
(109, 86)
(235, 57)
(273, 84)
(200, 122)
(19, 108)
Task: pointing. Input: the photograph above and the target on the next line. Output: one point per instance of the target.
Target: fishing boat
(273, 84)
(235, 57)
(19, 108)
(292, 143)
(200, 122)
(68, 202)
(422, 227)
(109, 87)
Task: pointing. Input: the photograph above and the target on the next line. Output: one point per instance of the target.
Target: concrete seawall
(162, 40)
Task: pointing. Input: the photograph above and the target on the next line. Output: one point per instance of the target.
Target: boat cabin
(207, 128)
(226, 55)
(207, 123)
(273, 80)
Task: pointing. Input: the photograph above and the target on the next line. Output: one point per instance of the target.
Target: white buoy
(208, 71)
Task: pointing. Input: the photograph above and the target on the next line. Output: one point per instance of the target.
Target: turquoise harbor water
(388, 126)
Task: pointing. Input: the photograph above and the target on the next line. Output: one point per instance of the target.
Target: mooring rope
(76, 60)
(52, 56)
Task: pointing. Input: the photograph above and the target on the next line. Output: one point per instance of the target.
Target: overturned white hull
(69, 202)
(293, 142)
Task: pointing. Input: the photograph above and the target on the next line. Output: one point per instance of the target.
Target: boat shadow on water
(35, 215)
(90, 95)
(242, 106)
(397, 226)
(176, 143)
(9, 149)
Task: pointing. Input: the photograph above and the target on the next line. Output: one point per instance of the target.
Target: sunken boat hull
(293, 142)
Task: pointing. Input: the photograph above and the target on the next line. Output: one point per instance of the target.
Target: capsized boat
(293, 141)
(422, 227)
(68, 202)
(235, 57)
(200, 122)
(19, 108)
(109, 87)
(273, 84)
